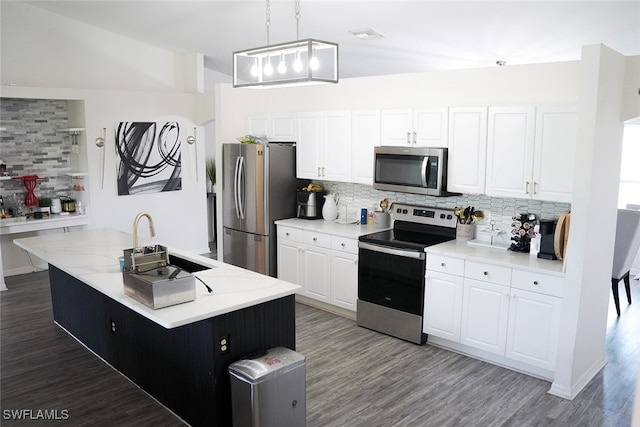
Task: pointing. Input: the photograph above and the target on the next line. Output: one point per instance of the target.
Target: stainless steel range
(391, 270)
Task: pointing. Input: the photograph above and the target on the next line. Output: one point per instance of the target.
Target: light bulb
(297, 63)
(313, 62)
(255, 70)
(268, 68)
(282, 67)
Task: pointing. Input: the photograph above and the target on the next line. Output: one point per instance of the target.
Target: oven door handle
(392, 251)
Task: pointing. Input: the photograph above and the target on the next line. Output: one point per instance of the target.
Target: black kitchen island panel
(184, 368)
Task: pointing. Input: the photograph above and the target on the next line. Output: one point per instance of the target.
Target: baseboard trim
(571, 391)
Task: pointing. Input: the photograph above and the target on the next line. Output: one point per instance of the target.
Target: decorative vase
(330, 207)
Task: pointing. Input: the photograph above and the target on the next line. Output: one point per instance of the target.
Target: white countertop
(92, 257)
(334, 228)
(504, 257)
(21, 225)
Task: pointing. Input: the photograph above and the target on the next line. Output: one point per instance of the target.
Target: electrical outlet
(225, 345)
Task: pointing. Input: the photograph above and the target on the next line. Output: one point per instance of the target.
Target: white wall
(593, 221)
(42, 49)
(51, 57)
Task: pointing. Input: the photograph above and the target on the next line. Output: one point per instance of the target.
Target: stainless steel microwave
(419, 170)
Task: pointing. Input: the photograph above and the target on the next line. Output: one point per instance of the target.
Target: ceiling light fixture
(367, 34)
(313, 61)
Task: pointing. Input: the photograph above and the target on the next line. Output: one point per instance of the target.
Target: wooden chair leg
(616, 298)
(627, 287)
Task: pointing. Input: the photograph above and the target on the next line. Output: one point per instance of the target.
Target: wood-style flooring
(355, 377)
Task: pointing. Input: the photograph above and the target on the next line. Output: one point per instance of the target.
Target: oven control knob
(398, 210)
(449, 216)
(404, 211)
(442, 216)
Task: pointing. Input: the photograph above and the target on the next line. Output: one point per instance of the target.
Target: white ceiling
(420, 35)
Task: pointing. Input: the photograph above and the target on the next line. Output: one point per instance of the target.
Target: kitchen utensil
(561, 235)
(477, 216)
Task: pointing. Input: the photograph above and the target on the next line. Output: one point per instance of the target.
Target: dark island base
(184, 368)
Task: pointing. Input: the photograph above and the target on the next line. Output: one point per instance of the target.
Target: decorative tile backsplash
(500, 210)
(35, 140)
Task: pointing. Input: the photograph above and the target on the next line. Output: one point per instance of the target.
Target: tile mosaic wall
(500, 210)
(35, 141)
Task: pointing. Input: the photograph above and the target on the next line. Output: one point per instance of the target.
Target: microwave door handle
(424, 171)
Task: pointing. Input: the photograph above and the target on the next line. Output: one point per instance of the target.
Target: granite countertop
(352, 231)
(91, 256)
(503, 257)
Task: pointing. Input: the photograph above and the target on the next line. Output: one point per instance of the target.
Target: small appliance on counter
(149, 278)
(310, 201)
(547, 237)
(554, 234)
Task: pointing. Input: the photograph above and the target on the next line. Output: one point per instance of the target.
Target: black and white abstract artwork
(148, 157)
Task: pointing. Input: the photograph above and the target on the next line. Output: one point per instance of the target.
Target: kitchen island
(178, 354)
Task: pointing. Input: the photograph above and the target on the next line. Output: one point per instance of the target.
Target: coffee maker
(310, 204)
(547, 239)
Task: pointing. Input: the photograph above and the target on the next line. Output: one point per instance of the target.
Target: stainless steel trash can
(269, 390)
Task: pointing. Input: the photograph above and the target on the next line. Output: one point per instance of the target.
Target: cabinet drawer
(344, 244)
(289, 233)
(488, 273)
(445, 264)
(316, 239)
(538, 282)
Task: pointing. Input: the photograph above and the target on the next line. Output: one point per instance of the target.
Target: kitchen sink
(187, 264)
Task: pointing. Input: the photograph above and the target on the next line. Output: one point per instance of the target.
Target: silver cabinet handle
(415, 138)
(408, 137)
(526, 191)
(535, 188)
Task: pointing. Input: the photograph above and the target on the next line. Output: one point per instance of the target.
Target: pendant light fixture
(298, 63)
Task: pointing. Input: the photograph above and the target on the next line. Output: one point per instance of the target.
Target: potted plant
(211, 173)
(44, 203)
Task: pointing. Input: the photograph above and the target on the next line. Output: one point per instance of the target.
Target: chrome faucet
(152, 230)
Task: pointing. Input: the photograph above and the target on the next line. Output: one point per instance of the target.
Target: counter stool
(614, 287)
(626, 248)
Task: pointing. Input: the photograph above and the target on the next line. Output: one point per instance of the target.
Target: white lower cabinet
(534, 318)
(485, 313)
(325, 266)
(316, 264)
(511, 313)
(344, 280)
(442, 305)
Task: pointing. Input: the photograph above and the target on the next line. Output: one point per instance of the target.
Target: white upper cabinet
(531, 152)
(467, 150)
(423, 127)
(555, 152)
(510, 151)
(324, 146)
(277, 127)
(365, 135)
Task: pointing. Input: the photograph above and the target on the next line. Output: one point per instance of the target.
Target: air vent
(367, 34)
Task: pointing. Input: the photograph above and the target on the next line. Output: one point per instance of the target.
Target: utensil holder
(465, 232)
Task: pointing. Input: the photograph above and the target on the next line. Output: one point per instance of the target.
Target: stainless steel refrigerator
(258, 187)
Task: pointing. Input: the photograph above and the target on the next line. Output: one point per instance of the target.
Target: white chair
(626, 248)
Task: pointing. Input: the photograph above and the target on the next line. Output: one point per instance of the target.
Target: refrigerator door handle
(241, 188)
(235, 186)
